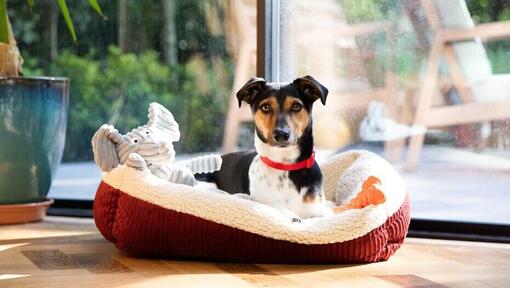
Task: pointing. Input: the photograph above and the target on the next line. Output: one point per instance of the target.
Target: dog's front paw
(325, 211)
(296, 220)
(293, 217)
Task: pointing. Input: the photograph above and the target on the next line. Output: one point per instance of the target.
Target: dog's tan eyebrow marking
(266, 101)
(291, 100)
(273, 102)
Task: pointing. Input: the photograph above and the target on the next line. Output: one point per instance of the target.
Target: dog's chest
(273, 187)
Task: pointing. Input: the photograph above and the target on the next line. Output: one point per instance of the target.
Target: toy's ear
(162, 120)
(251, 90)
(105, 154)
(312, 88)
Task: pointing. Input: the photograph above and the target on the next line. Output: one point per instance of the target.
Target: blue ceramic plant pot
(33, 118)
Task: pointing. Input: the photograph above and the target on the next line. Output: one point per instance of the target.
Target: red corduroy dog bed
(149, 217)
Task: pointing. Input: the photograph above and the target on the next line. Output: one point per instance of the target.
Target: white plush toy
(150, 147)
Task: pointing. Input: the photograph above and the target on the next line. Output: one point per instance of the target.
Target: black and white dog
(282, 172)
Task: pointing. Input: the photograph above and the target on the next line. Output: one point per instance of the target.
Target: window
(374, 56)
(435, 107)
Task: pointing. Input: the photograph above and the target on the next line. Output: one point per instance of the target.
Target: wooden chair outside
(483, 96)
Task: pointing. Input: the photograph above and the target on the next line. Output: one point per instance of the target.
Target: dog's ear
(250, 90)
(312, 88)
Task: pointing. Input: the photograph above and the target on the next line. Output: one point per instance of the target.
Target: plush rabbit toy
(150, 147)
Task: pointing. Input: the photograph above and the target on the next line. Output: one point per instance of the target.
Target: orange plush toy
(369, 194)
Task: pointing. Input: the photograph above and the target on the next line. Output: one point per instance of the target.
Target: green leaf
(4, 32)
(95, 6)
(65, 12)
(30, 3)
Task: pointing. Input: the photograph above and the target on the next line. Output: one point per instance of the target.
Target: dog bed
(150, 217)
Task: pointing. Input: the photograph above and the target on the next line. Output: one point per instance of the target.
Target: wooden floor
(67, 252)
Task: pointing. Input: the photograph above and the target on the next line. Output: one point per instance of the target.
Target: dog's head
(282, 112)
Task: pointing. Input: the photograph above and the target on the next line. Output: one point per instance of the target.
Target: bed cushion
(149, 217)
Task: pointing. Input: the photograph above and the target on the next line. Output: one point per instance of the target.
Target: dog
(281, 172)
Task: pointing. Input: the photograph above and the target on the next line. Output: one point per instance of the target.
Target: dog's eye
(265, 107)
(147, 132)
(296, 107)
(135, 141)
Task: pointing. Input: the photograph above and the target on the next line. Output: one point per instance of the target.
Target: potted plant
(33, 120)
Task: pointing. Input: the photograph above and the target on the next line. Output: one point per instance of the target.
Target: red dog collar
(307, 163)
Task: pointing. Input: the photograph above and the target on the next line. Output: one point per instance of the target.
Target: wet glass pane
(441, 118)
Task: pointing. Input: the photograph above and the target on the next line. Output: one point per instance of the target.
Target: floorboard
(69, 252)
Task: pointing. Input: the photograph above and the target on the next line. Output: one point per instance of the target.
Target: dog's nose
(281, 134)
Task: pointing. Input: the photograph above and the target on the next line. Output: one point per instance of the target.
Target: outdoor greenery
(119, 89)
(484, 11)
(402, 52)
(114, 85)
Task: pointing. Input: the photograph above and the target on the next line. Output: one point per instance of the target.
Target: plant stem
(10, 58)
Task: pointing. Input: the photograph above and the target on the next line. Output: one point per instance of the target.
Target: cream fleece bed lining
(343, 176)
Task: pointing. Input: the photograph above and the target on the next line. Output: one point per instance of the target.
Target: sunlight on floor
(4, 247)
(12, 276)
(47, 229)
